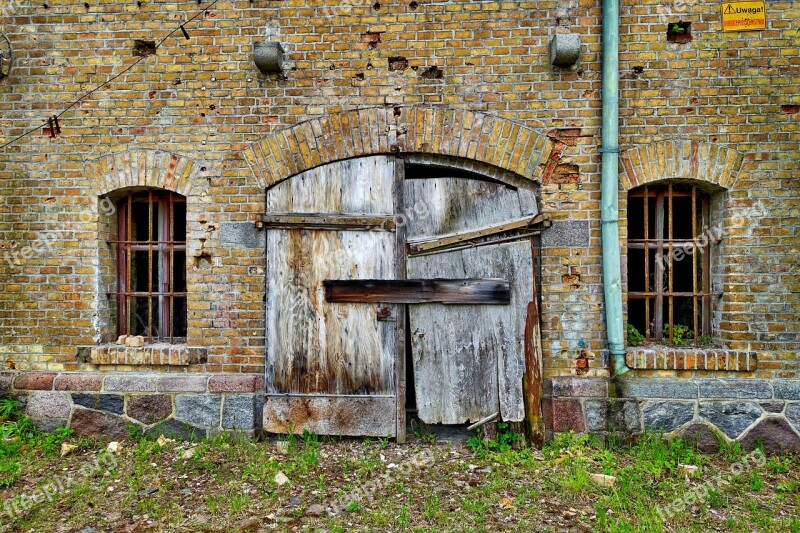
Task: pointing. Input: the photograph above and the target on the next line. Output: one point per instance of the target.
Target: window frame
(160, 245)
(665, 253)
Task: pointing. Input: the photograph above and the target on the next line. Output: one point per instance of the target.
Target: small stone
(163, 441)
(603, 480)
(114, 447)
(148, 491)
(689, 470)
(294, 501)
(281, 479)
(315, 510)
(188, 454)
(67, 448)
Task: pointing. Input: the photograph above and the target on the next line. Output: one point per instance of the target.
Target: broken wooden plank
(400, 317)
(440, 206)
(417, 291)
(532, 380)
(420, 245)
(335, 222)
(469, 360)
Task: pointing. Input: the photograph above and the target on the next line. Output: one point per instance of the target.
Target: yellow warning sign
(743, 16)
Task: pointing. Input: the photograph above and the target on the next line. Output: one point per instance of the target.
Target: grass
(229, 483)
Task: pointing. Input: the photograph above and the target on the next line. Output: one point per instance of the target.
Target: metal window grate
(151, 266)
(669, 263)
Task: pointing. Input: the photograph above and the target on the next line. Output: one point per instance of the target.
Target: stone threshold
(672, 358)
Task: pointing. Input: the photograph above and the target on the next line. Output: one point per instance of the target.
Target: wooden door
(331, 366)
(469, 360)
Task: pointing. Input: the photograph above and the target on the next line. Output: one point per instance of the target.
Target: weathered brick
(79, 382)
(129, 383)
(234, 383)
(34, 381)
(182, 383)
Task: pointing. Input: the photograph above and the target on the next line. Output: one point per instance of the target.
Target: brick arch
(680, 159)
(464, 134)
(142, 168)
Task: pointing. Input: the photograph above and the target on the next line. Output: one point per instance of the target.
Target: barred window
(151, 266)
(669, 246)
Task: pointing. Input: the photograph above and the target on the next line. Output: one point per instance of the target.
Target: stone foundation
(177, 405)
(707, 411)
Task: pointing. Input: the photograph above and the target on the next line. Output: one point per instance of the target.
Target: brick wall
(203, 100)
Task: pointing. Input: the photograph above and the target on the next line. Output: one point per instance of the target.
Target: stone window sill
(157, 354)
(671, 358)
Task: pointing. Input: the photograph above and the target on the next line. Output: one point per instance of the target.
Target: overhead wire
(181, 27)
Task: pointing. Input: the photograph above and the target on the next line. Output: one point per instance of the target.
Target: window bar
(163, 267)
(706, 270)
(669, 229)
(171, 261)
(122, 314)
(658, 282)
(694, 266)
(149, 265)
(647, 263)
(128, 270)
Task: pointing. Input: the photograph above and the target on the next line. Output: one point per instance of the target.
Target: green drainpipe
(612, 278)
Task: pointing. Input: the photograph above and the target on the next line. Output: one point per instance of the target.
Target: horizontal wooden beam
(427, 244)
(332, 222)
(419, 291)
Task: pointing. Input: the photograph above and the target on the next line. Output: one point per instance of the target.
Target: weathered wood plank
(315, 346)
(337, 222)
(417, 291)
(400, 273)
(469, 360)
(532, 381)
(361, 416)
(443, 206)
(362, 185)
(427, 244)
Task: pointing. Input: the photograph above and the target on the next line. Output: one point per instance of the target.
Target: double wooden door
(368, 259)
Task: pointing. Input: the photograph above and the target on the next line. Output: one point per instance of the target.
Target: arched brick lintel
(449, 132)
(142, 168)
(680, 159)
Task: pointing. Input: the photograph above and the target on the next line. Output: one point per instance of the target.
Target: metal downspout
(609, 148)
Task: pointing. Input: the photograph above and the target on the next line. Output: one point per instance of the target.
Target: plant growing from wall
(681, 335)
(634, 337)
